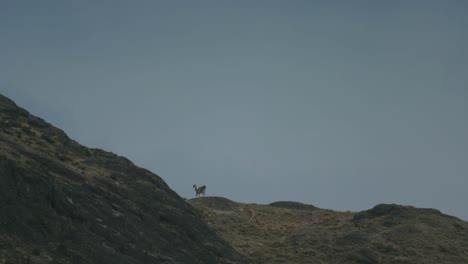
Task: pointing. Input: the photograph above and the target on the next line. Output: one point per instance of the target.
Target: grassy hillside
(288, 232)
(61, 202)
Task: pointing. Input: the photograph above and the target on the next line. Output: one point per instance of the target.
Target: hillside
(289, 232)
(61, 202)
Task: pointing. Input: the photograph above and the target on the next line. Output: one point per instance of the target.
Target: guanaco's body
(200, 190)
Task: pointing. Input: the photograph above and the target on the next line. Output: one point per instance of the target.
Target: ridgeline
(61, 202)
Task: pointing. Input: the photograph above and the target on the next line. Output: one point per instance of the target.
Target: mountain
(61, 202)
(291, 232)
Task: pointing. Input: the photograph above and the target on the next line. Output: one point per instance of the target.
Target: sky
(339, 104)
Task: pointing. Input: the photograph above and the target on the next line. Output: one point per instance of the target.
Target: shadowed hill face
(61, 202)
(289, 232)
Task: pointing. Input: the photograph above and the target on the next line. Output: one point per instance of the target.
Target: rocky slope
(289, 232)
(61, 202)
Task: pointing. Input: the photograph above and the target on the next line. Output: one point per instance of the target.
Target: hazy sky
(340, 104)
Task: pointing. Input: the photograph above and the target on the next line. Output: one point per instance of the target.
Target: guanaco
(199, 190)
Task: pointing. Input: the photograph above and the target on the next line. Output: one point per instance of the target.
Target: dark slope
(289, 232)
(61, 202)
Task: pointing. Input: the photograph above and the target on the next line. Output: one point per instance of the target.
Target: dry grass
(269, 234)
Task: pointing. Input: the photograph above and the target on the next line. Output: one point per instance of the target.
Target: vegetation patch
(289, 232)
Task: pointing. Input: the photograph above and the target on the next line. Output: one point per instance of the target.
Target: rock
(59, 201)
(396, 213)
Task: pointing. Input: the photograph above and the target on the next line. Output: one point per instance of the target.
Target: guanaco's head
(194, 186)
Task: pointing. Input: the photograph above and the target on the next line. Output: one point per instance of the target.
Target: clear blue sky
(340, 104)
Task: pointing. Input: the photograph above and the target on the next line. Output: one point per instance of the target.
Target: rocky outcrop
(61, 202)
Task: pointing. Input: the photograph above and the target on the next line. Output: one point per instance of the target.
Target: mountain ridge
(61, 202)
